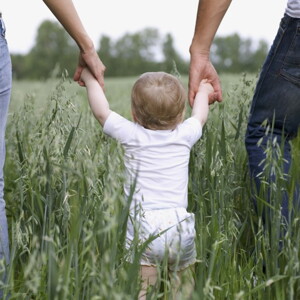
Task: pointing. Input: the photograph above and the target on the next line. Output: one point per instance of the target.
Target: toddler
(157, 149)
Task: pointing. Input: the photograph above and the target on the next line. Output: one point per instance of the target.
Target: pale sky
(256, 19)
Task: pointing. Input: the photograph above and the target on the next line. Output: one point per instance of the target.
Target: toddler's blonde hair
(158, 101)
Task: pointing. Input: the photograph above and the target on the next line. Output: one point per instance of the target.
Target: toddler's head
(158, 101)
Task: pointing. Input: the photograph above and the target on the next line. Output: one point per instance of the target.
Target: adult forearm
(209, 16)
(66, 14)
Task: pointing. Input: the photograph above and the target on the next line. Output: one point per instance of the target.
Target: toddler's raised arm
(201, 103)
(97, 100)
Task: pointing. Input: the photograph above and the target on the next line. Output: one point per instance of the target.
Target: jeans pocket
(291, 66)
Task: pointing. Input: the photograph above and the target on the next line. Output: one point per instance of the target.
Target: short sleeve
(192, 130)
(118, 127)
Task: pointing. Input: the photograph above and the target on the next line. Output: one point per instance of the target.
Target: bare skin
(66, 14)
(182, 282)
(209, 16)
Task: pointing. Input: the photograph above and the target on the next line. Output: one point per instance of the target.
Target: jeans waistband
(289, 18)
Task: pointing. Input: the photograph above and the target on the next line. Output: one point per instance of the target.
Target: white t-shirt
(293, 8)
(158, 159)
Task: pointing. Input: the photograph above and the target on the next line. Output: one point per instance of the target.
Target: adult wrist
(198, 51)
(200, 45)
(200, 55)
(86, 46)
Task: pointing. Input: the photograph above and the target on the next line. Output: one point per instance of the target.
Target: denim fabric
(277, 101)
(5, 90)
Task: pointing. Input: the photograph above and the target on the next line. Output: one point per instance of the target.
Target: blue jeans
(277, 101)
(5, 90)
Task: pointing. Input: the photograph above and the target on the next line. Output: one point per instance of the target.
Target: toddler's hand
(86, 75)
(205, 86)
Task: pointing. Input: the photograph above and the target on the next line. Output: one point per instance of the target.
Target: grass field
(67, 214)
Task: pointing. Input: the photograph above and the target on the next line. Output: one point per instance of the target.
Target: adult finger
(191, 97)
(217, 90)
(77, 73)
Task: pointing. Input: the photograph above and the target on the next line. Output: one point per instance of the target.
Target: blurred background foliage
(133, 53)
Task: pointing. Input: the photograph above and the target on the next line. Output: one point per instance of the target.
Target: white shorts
(173, 234)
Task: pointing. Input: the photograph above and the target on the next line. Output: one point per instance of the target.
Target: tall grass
(67, 212)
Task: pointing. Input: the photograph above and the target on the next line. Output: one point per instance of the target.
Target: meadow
(67, 213)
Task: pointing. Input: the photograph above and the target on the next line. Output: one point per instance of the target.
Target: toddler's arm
(97, 100)
(201, 103)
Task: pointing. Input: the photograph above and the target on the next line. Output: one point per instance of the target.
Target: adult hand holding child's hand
(90, 59)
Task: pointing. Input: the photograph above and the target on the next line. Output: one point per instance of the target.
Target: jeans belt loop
(2, 26)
